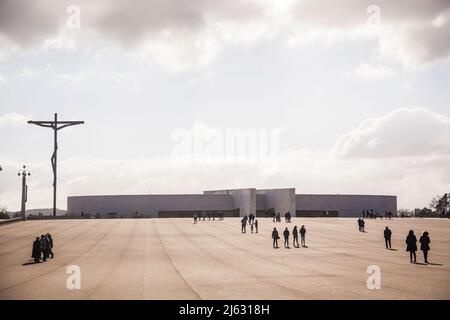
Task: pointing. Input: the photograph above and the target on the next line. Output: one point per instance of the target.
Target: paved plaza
(176, 259)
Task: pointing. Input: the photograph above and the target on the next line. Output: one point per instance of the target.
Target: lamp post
(24, 173)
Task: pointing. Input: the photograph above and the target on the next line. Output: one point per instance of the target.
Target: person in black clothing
(411, 245)
(286, 238)
(425, 245)
(303, 236)
(50, 245)
(359, 224)
(275, 237)
(251, 227)
(295, 236)
(36, 252)
(387, 237)
(256, 225)
(363, 223)
(44, 247)
(244, 225)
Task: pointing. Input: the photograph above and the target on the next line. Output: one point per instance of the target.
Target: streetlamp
(24, 173)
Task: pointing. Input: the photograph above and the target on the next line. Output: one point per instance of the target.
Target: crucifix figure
(55, 125)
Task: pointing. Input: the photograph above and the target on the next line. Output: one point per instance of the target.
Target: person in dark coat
(244, 225)
(425, 245)
(359, 224)
(387, 237)
(36, 253)
(256, 225)
(275, 237)
(286, 238)
(303, 236)
(295, 236)
(44, 247)
(411, 245)
(50, 245)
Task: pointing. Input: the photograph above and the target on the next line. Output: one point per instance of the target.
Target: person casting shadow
(50, 245)
(275, 237)
(387, 238)
(411, 245)
(295, 236)
(244, 225)
(303, 236)
(286, 238)
(36, 252)
(425, 245)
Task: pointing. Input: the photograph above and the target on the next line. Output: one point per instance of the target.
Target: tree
(405, 213)
(434, 202)
(425, 212)
(443, 205)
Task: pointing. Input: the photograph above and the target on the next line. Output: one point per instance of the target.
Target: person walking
(251, 227)
(295, 236)
(275, 237)
(256, 225)
(44, 247)
(363, 223)
(36, 252)
(411, 245)
(425, 245)
(303, 236)
(50, 245)
(387, 238)
(244, 225)
(286, 238)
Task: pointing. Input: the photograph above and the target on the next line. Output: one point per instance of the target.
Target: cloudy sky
(357, 92)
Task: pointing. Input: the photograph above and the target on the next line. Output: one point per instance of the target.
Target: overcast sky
(357, 91)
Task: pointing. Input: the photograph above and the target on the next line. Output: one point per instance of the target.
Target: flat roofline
(229, 189)
(148, 195)
(344, 194)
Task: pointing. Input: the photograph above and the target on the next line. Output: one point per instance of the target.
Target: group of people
(371, 214)
(251, 220)
(277, 217)
(411, 242)
(209, 215)
(286, 233)
(42, 248)
(411, 245)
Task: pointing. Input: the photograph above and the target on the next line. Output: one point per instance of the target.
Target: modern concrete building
(231, 203)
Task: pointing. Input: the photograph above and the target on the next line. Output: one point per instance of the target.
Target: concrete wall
(282, 200)
(244, 199)
(347, 205)
(260, 202)
(147, 205)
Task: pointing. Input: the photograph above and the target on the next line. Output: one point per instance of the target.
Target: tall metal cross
(55, 125)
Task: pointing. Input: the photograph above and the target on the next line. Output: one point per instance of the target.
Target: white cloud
(13, 120)
(415, 33)
(373, 71)
(190, 34)
(402, 133)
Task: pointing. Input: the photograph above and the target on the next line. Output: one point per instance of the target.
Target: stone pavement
(175, 259)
